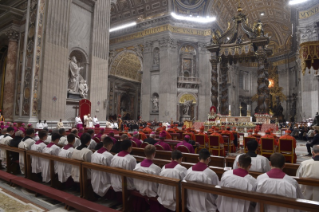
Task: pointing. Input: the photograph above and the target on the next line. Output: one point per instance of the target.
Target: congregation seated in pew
(92, 144)
(117, 147)
(186, 144)
(26, 144)
(64, 170)
(161, 142)
(5, 141)
(151, 139)
(38, 147)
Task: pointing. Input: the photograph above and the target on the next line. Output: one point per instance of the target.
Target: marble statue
(156, 57)
(186, 106)
(155, 103)
(77, 84)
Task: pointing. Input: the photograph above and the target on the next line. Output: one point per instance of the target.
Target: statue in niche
(156, 57)
(155, 103)
(186, 105)
(77, 84)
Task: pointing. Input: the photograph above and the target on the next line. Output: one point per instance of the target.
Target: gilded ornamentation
(186, 98)
(309, 55)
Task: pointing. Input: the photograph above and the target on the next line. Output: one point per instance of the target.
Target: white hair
(18, 133)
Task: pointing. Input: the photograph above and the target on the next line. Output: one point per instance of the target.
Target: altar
(239, 119)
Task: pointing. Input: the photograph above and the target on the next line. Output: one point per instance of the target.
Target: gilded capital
(12, 35)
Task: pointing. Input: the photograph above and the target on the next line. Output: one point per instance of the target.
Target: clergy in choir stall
(167, 194)
(186, 144)
(92, 144)
(60, 124)
(200, 201)
(101, 181)
(2, 125)
(143, 136)
(29, 126)
(1, 117)
(125, 161)
(126, 129)
(81, 153)
(259, 163)
(96, 122)
(6, 141)
(250, 132)
(231, 135)
(168, 136)
(256, 135)
(81, 131)
(118, 145)
(147, 188)
(221, 139)
(170, 129)
(45, 124)
(8, 125)
(63, 139)
(78, 122)
(189, 131)
(64, 169)
(268, 135)
(99, 134)
(147, 129)
(38, 146)
(136, 140)
(278, 183)
(151, 139)
(237, 179)
(201, 132)
(309, 169)
(176, 128)
(51, 149)
(159, 129)
(161, 142)
(111, 135)
(25, 144)
(18, 136)
(294, 143)
(39, 125)
(22, 128)
(211, 130)
(88, 121)
(48, 140)
(15, 127)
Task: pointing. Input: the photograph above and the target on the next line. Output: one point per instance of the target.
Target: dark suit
(15, 143)
(150, 141)
(315, 141)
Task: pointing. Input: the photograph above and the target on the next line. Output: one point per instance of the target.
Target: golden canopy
(309, 54)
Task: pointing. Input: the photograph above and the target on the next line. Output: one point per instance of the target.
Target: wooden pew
(290, 168)
(187, 157)
(132, 174)
(262, 199)
(9, 149)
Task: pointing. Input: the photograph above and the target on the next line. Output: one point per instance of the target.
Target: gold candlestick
(240, 109)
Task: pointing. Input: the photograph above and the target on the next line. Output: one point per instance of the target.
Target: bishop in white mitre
(25, 144)
(64, 169)
(51, 149)
(101, 181)
(237, 179)
(167, 194)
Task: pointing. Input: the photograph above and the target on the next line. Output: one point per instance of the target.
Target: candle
(229, 107)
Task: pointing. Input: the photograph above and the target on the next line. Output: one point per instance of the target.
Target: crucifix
(76, 110)
(240, 109)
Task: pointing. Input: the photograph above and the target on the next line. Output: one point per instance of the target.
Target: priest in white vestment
(237, 179)
(101, 181)
(278, 183)
(78, 122)
(5, 141)
(38, 147)
(39, 125)
(88, 121)
(96, 122)
(259, 163)
(167, 194)
(64, 169)
(126, 161)
(51, 149)
(60, 124)
(196, 200)
(45, 124)
(84, 154)
(310, 169)
(26, 144)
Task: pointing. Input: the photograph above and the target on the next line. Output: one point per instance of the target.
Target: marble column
(263, 82)
(214, 82)
(9, 85)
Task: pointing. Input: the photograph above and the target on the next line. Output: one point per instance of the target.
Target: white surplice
(101, 181)
(26, 144)
(230, 180)
(127, 162)
(64, 169)
(39, 126)
(36, 161)
(258, 164)
(201, 201)
(147, 188)
(92, 144)
(309, 169)
(78, 121)
(45, 163)
(63, 141)
(3, 154)
(95, 121)
(286, 186)
(167, 194)
(49, 138)
(83, 155)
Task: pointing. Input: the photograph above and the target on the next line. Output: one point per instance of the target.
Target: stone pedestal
(9, 85)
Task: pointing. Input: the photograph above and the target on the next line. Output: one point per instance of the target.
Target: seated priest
(174, 169)
(161, 142)
(126, 129)
(143, 136)
(101, 181)
(111, 135)
(82, 153)
(64, 169)
(136, 139)
(92, 144)
(201, 132)
(22, 128)
(294, 142)
(151, 139)
(39, 125)
(171, 129)
(168, 136)
(118, 145)
(268, 135)
(96, 122)
(189, 131)
(60, 124)
(255, 133)
(259, 163)
(88, 121)
(78, 122)
(100, 133)
(26, 144)
(277, 182)
(18, 136)
(51, 149)
(38, 147)
(196, 200)
(147, 188)
(159, 129)
(186, 144)
(237, 179)
(221, 139)
(147, 129)
(309, 169)
(125, 161)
